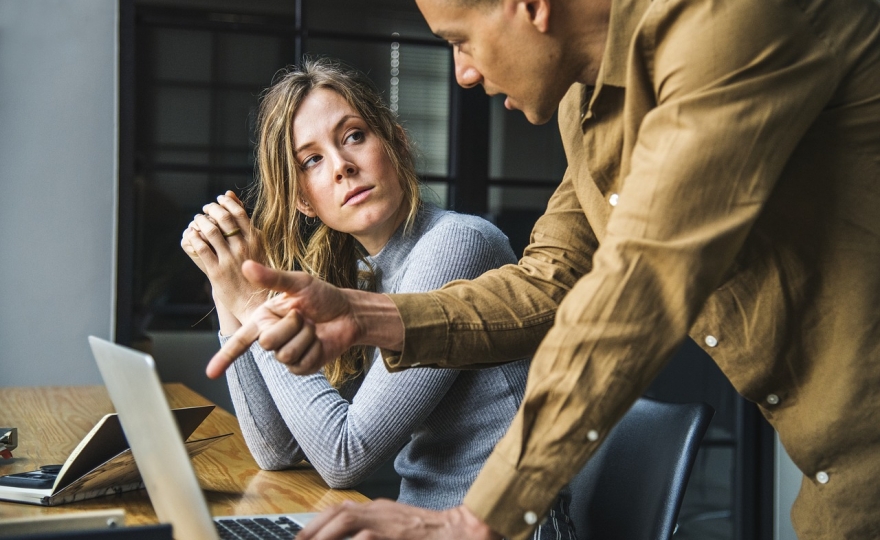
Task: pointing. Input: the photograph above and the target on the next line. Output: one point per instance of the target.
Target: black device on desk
(149, 532)
(107, 524)
(42, 479)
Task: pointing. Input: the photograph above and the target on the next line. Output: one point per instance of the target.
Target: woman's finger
(233, 205)
(231, 194)
(201, 249)
(225, 221)
(186, 246)
(211, 233)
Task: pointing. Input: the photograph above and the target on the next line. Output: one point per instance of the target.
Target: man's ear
(538, 13)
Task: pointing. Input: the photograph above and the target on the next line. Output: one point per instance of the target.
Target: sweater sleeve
(262, 425)
(284, 414)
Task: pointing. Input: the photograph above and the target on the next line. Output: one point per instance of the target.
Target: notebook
(101, 464)
(134, 387)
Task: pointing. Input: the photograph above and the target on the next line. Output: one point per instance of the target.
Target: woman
(338, 197)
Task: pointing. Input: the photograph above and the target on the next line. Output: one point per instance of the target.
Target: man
(723, 181)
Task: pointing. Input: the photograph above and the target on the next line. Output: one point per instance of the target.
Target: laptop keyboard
(256, 528)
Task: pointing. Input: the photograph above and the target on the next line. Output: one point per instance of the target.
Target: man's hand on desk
(310, 323)
(384, 519)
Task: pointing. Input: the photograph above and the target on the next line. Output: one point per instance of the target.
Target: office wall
(57, 187)
(787, 484)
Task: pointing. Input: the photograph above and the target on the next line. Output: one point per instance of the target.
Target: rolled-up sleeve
(503, 314)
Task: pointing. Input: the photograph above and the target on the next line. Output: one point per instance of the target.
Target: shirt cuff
(510, 501)
(426, 332)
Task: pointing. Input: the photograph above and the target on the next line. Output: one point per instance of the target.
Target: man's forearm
(377, 319)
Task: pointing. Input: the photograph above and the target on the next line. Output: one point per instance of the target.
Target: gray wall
(58, 81)
(787, 484)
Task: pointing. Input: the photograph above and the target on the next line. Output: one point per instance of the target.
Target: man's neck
(584, 25)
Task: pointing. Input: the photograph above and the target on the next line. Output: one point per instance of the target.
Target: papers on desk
(102, 463)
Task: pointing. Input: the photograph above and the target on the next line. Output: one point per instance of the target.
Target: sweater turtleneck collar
(394, 253)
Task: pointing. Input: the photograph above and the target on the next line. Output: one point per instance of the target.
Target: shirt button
(773, 399)
(711, 341)
(530, 517)
(593, 435)
(822, 477)
(612, 200)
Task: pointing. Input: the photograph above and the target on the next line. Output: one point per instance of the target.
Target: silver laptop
(134, 387)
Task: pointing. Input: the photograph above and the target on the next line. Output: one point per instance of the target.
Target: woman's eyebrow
(341, 121)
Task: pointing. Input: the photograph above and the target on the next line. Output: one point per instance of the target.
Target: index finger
(325, 523)
(237, 344)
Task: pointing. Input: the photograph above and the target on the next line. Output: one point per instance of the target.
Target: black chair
(632, 487)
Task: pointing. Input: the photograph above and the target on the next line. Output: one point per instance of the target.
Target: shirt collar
(625, 18)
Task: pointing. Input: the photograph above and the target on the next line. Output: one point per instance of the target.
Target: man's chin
(538, 117)
(541, 114)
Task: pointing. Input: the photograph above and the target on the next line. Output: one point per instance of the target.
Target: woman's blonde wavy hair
(291, 241)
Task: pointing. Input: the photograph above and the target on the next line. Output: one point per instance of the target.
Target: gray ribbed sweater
(447, 421)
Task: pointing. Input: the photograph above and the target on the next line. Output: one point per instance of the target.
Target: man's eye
(458, 46)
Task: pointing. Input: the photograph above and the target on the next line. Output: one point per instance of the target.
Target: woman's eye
(356, 136)
(311, 161)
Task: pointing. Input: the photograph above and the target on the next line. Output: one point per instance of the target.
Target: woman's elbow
(340, 483)
(272, 463)
(343, 478)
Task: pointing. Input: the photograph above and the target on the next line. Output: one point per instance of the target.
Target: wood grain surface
(52, 420)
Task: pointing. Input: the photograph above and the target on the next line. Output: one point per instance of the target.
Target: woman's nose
(344, 168)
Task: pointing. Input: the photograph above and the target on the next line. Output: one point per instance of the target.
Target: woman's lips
(357, 195)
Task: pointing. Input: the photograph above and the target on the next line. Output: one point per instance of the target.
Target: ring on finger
(233, 232)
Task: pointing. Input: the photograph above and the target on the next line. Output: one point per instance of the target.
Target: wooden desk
(52, 420)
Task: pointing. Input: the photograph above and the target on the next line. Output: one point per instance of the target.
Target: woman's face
(348, 182)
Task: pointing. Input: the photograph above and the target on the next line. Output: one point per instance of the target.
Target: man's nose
(466, 74)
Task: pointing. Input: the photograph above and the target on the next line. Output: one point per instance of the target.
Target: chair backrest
(632, 487)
